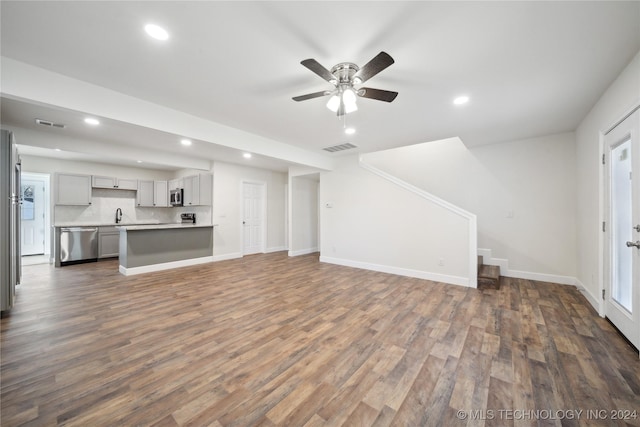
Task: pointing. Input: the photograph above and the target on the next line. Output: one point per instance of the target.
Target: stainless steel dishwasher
(78, 244)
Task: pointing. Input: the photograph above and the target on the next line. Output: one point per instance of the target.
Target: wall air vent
(341, 147)
(50, 124)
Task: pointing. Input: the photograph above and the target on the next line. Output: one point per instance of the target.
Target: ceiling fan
(344, 76)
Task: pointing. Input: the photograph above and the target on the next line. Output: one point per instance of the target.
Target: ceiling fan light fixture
(334, 103)
(349, 99)
(344, 76)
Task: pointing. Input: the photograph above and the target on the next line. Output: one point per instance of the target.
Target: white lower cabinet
(108, 242)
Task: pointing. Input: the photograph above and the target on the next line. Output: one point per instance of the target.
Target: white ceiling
(530, 68)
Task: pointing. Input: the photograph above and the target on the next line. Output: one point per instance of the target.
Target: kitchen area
(148, 224)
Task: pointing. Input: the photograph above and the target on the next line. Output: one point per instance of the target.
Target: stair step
(489, 277)
(489, 272)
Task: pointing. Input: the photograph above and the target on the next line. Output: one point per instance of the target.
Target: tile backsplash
(104, 203)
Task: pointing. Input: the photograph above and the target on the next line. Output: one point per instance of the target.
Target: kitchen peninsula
(147, 248)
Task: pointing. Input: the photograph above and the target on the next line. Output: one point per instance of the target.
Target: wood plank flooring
(270, 340)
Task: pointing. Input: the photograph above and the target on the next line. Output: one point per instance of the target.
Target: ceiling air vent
(340, 147)
(50, 124)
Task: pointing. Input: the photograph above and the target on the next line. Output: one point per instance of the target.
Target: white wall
(304, 215)
(227, 208)
(523, 193)
(618, 99)
(375, 224)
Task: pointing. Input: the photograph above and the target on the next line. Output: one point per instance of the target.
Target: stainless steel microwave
(175, 197)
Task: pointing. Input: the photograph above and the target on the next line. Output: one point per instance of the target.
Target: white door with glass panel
(252, 218)
(32, 224)
(622, 227)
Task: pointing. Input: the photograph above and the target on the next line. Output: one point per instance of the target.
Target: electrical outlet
(440, 261)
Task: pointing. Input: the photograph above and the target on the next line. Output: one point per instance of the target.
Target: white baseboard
(419, 274)
(540, 277)
(303, 251)
(488, 259)
(224, 257)
(593, 300)
(275, 249)
(163, 266)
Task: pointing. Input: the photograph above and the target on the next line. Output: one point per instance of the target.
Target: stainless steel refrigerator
(10, 204)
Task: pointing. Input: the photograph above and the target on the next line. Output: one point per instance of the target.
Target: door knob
(637, 228)
(636, 244)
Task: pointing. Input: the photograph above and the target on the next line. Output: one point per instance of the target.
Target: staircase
(488, 275)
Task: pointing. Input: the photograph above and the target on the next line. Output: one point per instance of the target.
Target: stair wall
(523, 193)
(369, 221)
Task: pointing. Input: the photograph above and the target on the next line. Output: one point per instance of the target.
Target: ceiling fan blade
(311, 95)
(315, 66)
(373, 67)
(378, 94)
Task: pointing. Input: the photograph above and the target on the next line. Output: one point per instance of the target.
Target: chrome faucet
(118, 215)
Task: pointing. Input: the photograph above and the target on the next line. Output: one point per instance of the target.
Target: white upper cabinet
(127, 184)
(144, 197)
(115, 183)
(160, 194)
(73, 189)
(152, 194)
(176, 184)
(198, 190)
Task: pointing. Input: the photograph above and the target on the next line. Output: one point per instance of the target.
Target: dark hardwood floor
(270, 340)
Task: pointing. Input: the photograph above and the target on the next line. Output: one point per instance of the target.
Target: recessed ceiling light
(138, 161)
(349, 131)
(247, 155)
(185, 142)
(57, 149)
(91, 121)
(461, 100)
(156, 32)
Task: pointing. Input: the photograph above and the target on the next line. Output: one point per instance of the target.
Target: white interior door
(32, 217)
(622, 247)
(252, 218)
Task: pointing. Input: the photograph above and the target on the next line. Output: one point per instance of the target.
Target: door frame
(263, 213)
(46, 178)
(603, 246)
